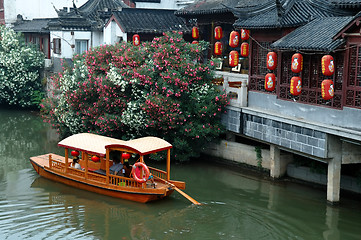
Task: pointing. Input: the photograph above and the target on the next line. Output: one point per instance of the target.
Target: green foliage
(20, 64)
(258, 151)
(160, 88)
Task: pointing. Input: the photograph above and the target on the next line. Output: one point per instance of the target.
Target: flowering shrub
(159, 88)
(19, 70)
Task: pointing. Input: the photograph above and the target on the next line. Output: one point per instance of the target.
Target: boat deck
(58, 165)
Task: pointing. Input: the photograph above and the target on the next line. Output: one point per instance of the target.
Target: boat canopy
(97, 145)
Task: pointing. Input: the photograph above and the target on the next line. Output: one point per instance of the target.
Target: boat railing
(97, 177)
(59, 166)
(56, 165)
(123, 181)
(76, 172)
(158, 173)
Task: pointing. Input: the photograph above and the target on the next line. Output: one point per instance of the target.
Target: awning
(97, 145)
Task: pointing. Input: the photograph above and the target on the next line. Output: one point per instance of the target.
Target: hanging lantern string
(302, 52)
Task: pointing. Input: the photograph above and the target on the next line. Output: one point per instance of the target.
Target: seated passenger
(126, 171)
(76, 164)
(116, 167)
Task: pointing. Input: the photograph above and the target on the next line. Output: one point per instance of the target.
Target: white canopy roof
(96, 144)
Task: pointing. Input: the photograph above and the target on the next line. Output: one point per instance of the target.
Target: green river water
(236, 204)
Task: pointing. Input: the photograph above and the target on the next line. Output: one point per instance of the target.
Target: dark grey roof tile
(202, 7)
(314, 36)
(296, 14)
(138, 20)
(347, 3)
(35, 26)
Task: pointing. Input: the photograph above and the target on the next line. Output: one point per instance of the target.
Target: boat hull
(129, 193)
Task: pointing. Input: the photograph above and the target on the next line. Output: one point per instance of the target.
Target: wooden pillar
(86, 159)
(66, 159)
(144, 185)
(212, 38)
(168, 165)
(50, 161)
(107, 166)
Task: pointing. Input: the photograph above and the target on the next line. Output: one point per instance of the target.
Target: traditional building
(30, 9)
(206, 15)
(147, 23)
(305, 122)
(307, 112)
(36, 31)
(72, 30)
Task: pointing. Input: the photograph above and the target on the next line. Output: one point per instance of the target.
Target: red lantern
(95, 158)
(244, 49)
(234, 39)
(233, 58)
(270, 82)
(195, 33)
(74, 153)
(136, 40)
(218, 47)
(125, 155)
(195, 42)
(218, 33)
(244, 34)
(328, 67)
(297, 63)
(271, 60)
(296, 86)
(327, 89)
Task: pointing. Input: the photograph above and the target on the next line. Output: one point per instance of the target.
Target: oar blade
(187, 196)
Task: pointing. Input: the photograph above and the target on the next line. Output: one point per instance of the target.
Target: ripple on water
(39, 215)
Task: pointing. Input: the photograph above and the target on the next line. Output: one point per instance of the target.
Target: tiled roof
(138, 20)
(292, 14)
(315, 36)
(92, 7)
(150, 1)
(347, 3)
(88, 16)
(33, 26)
(202, 7)
(72, 23)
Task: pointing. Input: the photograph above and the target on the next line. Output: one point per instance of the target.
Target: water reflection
(22, 135)
(236, 205)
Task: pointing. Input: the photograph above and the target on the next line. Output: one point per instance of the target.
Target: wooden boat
(90, 177)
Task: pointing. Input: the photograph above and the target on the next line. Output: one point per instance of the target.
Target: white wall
(30, 9)
(97, 39)
(67, 39)
(112, 33)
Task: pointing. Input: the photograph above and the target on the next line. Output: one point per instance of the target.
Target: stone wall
(290, 136)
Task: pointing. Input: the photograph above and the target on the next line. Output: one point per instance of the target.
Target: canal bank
(257, 158)
(322, 134)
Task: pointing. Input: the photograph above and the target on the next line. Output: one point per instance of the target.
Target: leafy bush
(20, 64)
(160, 88)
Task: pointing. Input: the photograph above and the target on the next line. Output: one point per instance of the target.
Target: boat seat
(100, 171)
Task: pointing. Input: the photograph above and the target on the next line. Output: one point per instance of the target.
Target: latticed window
(353, 81)
(312, 78)
(258, 69)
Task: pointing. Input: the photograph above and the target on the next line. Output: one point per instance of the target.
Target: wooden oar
(180, 191)
(187, 196)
